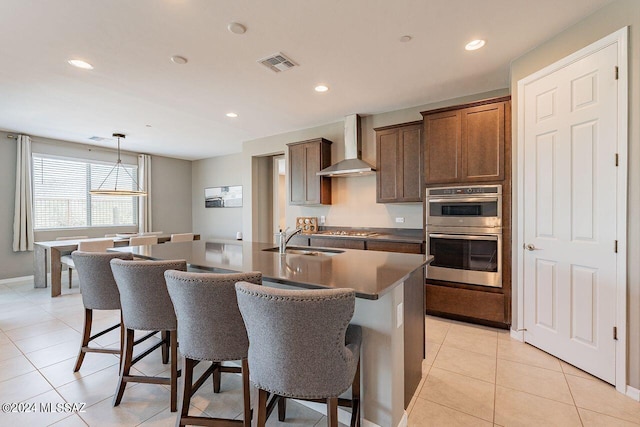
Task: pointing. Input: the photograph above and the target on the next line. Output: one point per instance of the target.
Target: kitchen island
(389, 305)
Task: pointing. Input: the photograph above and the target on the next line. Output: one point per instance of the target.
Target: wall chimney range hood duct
(352, 165)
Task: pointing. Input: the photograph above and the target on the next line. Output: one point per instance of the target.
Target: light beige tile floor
(472, 376)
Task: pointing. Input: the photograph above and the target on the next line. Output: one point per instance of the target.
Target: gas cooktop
(347, 233)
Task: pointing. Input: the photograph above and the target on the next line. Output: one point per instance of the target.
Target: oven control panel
(471, 190)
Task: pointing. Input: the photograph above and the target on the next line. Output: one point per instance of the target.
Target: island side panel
(414, 332)
(382, 358)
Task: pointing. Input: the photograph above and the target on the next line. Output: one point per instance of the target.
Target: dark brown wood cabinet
(466, 143)
(306, 158)
(399, 163)
(471, 144)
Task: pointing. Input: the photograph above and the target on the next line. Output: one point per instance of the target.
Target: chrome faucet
(284, 239)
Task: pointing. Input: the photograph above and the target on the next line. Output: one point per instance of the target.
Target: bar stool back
(210, 328)
(301, 345)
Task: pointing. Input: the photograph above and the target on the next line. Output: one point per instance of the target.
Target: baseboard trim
(404, 421)
(517, 335)
(633, 393)
(15, 279)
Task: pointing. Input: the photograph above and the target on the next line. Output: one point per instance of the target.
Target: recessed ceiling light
(405, 39)
(475, 44)
(321, 88)
(180, 60)
(80, 64)
(236, 28)
(232, 115)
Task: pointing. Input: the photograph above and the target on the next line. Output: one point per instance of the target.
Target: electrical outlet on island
(399, 219)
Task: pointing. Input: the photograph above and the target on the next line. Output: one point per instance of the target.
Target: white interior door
(570, 199)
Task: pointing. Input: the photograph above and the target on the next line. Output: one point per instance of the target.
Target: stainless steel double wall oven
(464, 234)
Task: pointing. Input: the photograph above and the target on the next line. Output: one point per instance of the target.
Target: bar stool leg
(355, 397)
(282, 408)
(86, 336)
(260, 418)
(246, 393)
(125, 366)
(165, 346)
(173, 346)
(187, 382)
(217, 376)
(332, 412)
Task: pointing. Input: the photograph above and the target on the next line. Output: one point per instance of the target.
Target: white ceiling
(351, 45)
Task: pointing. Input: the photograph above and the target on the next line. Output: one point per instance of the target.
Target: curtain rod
(10, 136)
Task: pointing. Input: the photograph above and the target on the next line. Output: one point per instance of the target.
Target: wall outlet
(399, 314)
(322, 219)
(399, 219)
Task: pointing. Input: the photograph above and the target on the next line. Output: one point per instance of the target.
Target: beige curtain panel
(23, 210)
(144, 203)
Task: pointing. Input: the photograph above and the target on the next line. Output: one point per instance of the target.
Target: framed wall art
(223, 197)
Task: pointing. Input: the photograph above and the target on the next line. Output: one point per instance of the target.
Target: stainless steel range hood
(352, 165)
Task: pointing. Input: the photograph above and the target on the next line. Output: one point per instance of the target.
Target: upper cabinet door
(443, 147)
(483, 133)
(399, 163)
(467, 143)
(306, 158)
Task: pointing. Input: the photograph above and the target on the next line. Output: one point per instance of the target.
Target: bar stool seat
(146, 306)
(302, 346)
(210, 328)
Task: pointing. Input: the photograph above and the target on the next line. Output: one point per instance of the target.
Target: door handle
(530, 247)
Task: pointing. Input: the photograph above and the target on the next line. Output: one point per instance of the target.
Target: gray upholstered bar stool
(301, 345)
(210, 328)
(99, 292)
(146, 306)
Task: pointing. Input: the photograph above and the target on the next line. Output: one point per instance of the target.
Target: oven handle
(463, 237)
(465, 200)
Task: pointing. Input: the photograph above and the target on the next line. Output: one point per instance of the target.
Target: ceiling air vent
(277, 62)
(98, 138)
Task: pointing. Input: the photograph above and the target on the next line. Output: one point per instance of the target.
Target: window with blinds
(61, 196)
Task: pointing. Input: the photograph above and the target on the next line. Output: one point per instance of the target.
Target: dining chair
(146, 306)
(182, 237)
(302, 346)
(143, 240)
(210, 328)
(97, 245)
(99, 292)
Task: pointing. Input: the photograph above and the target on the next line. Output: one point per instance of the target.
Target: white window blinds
(61, 194)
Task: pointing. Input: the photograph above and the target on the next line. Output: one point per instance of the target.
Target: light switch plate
(399, 219)
(322, 219)
(399, 314)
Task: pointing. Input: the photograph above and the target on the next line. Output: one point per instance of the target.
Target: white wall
(216, 172)
(602, 23)
(171, 185)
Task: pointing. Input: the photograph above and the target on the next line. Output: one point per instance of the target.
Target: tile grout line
(575, 405)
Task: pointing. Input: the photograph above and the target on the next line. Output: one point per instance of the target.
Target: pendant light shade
(117, 171)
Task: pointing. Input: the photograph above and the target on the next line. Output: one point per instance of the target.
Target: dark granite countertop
(370, 273)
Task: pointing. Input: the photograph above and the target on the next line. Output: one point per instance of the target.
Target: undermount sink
(296, 250)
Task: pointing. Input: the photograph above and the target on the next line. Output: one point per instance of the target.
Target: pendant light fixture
(118, 170)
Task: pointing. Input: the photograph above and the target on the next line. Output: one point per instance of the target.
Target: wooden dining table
(47, 258)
